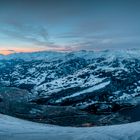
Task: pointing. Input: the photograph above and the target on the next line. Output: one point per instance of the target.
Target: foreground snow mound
(16, 129)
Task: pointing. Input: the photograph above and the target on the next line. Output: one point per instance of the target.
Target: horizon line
(9, 52)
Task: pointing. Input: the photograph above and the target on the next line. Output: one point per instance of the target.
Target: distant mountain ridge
(56, 54)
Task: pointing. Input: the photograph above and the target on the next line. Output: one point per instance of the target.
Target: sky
(68, 25)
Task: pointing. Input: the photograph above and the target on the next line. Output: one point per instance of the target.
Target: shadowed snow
(16, 129)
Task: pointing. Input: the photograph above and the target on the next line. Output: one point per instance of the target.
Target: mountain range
(97, 81)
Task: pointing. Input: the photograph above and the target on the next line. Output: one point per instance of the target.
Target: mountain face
(99, 82)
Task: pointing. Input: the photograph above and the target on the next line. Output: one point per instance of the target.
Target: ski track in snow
(16, 129)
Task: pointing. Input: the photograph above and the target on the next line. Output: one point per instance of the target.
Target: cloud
(88, 35)
(102, 43)
(37, 35)
(86, 28)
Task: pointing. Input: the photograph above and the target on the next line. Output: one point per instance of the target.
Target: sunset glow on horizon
(7, 51)
(11, 50)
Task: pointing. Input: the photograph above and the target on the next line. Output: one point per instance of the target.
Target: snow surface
(92, 89)
(16, 129)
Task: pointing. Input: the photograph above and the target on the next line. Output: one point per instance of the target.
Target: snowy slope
(16, 129)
